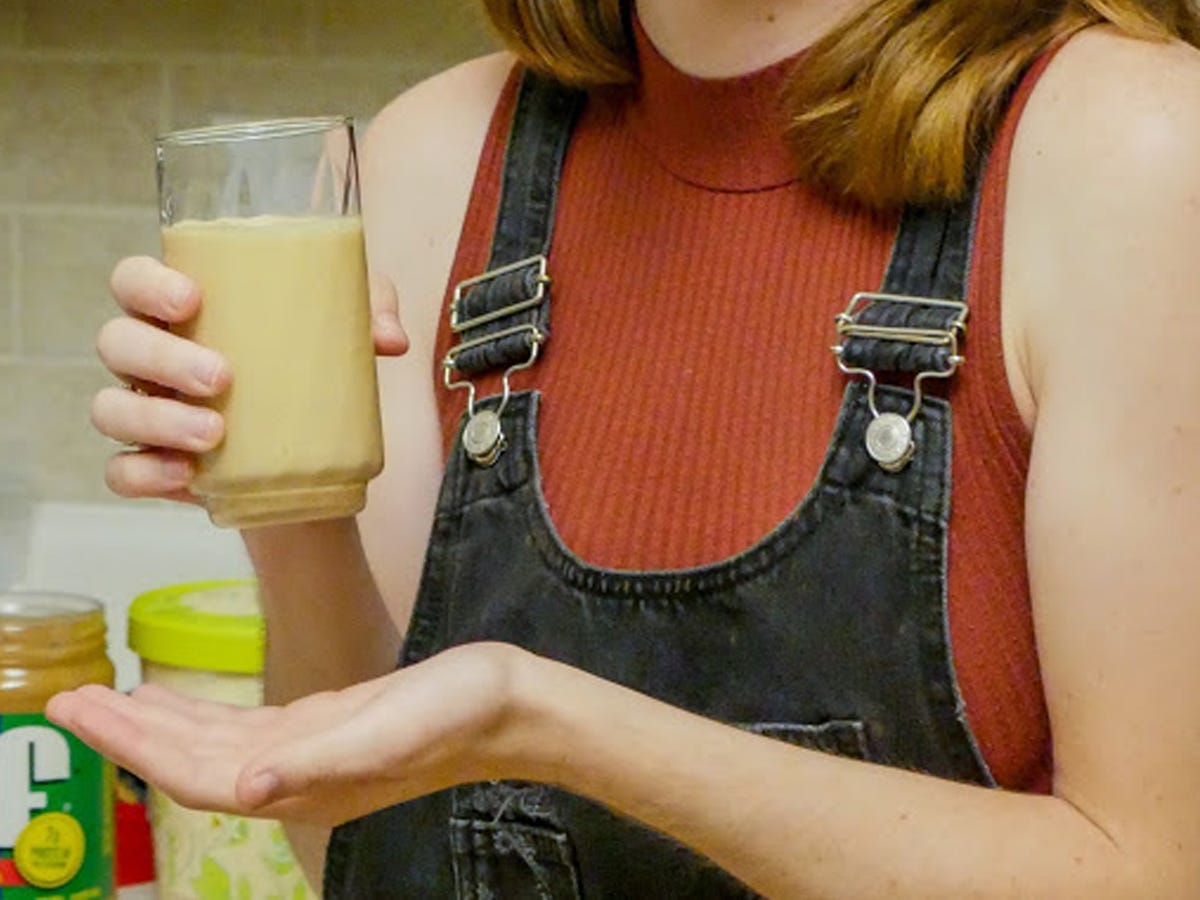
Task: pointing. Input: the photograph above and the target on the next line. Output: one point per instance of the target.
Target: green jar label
(56, 814)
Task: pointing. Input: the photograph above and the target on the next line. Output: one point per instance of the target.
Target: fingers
(323, 762)
(194, 763)
(388, 333)
(134, 349)
(162, 364)
(145, 355)
(93, 719)
(134, 418)
(150, 473)
(157, 695)
(114, 726)
(203, 712)
(143, 286)
(196, 751)
(153, 714)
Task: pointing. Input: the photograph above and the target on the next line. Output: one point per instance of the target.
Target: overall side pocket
(505, 843)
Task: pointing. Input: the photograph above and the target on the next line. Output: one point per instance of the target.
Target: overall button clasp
(898, 333)
(499, 335)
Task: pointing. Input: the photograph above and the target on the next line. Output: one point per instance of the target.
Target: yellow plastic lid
(214, 626)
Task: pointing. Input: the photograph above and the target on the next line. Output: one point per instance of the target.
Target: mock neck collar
(724, 134)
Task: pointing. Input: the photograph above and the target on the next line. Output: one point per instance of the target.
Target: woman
(674, 656)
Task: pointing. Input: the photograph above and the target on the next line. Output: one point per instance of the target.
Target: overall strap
(914, 324)
(930, 261)
(502, 317)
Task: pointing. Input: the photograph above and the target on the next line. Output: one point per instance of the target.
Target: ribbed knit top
(689, 391)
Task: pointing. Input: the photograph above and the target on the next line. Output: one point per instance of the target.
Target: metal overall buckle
(889, 437)
(483, 437)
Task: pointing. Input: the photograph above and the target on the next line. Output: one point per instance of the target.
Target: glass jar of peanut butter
(56, 813)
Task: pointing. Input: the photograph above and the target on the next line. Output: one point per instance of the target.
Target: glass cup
(264, 216)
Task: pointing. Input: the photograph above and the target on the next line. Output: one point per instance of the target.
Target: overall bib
(829, 633)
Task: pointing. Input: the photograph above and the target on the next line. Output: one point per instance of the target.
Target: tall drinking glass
(265, 217)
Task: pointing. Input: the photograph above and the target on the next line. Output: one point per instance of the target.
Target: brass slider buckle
(888, 438)
(483, 437)
(463, 288)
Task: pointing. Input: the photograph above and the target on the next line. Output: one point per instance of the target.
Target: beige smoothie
(285, 301)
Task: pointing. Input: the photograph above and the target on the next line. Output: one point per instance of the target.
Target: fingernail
(205, 425)
(179, 294)
(207, 371)
(51, 708)
(54, 710)
(389, 321)
(177, 471)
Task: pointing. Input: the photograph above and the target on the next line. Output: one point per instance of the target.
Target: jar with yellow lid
(205, 640)
(56, 793)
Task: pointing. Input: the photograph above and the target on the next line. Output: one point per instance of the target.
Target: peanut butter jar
(56, 793)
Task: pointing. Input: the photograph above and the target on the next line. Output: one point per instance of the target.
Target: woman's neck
(724, 38)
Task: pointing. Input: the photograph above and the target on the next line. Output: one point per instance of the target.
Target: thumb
(388, 333)
(315, 769)
(293, 770)
(256, 789)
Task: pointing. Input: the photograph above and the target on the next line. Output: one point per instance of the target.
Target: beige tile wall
(9, 274)
(10, 24)
(84, 86)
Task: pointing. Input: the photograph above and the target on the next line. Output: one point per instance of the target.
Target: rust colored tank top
(689, 391)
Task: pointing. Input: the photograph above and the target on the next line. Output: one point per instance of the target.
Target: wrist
(272, 539)
(326, 622)
(529, 728)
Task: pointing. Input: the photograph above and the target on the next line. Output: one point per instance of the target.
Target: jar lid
(48, 628)
(29, 606)
(215, 626)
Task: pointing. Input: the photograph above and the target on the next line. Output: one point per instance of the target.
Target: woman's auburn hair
(898, 104)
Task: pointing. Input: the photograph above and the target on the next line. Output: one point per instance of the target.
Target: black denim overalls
(829, 633)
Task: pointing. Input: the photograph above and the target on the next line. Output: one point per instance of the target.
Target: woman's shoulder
(451, 106)
(420, 151)
(1113, 117)
(418, 166)
(1110, 100)
(1103, 191)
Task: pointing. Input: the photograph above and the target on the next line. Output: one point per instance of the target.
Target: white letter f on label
(29, 755)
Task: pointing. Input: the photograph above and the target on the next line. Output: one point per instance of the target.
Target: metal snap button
(889, 441)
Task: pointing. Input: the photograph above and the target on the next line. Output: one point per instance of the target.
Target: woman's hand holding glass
(153, 414)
